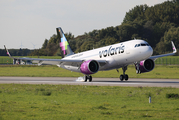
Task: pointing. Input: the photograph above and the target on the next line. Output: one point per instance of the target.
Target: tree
(171, 35)
(137, 12)
(53, 39)
(158, 25)
(110, 40)
(45, 44)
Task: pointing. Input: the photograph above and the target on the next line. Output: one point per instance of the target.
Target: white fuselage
(116, 55)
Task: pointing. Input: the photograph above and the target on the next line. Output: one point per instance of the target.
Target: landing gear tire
(87, 77)
(126, 77)
(122, 77)
(90, 78)
(138, 71)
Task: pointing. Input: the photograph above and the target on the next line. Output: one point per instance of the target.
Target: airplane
(120, 55)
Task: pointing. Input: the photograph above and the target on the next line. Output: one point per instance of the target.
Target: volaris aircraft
(120, 55)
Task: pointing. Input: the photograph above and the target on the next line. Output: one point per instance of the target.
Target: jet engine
(145, 66)
(89, 67)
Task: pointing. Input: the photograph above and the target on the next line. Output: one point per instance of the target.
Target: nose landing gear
(123, 76)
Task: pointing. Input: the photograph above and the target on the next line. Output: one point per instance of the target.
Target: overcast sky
(27, 23)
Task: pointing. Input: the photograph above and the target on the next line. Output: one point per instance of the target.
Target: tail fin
(65, 47)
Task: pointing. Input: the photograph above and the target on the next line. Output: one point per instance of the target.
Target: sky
(27, 23)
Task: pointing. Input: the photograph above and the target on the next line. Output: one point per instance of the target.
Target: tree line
(158, 25)
(16, 52)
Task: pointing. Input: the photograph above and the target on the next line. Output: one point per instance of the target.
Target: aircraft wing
(41, 61)
(163, 55)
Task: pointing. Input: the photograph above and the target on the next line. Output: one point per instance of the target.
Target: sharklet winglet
(8, 52)
(174, 48)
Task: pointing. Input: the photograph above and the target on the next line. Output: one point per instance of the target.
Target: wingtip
(7, 51)
(174, 48)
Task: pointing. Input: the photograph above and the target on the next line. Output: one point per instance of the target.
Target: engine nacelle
(146, 66)
(89, 67)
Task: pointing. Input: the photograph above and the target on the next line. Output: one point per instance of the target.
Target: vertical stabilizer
(64, 45)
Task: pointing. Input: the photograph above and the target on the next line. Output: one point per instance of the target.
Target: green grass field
(23, 101)
(67, 102)
(167, 72)
(170, 60)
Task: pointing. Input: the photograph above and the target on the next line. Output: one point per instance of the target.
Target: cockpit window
(142, 44)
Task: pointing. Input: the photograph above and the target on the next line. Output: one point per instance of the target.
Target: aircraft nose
(150, 50)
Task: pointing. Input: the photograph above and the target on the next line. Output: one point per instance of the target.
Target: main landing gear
(123, 76)
(86, 77)
(137, 68)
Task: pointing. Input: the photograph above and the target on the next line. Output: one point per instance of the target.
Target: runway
(135, 82)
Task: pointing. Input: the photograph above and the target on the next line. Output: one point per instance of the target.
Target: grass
(22, 101)
(166, 72)
(170, 60)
